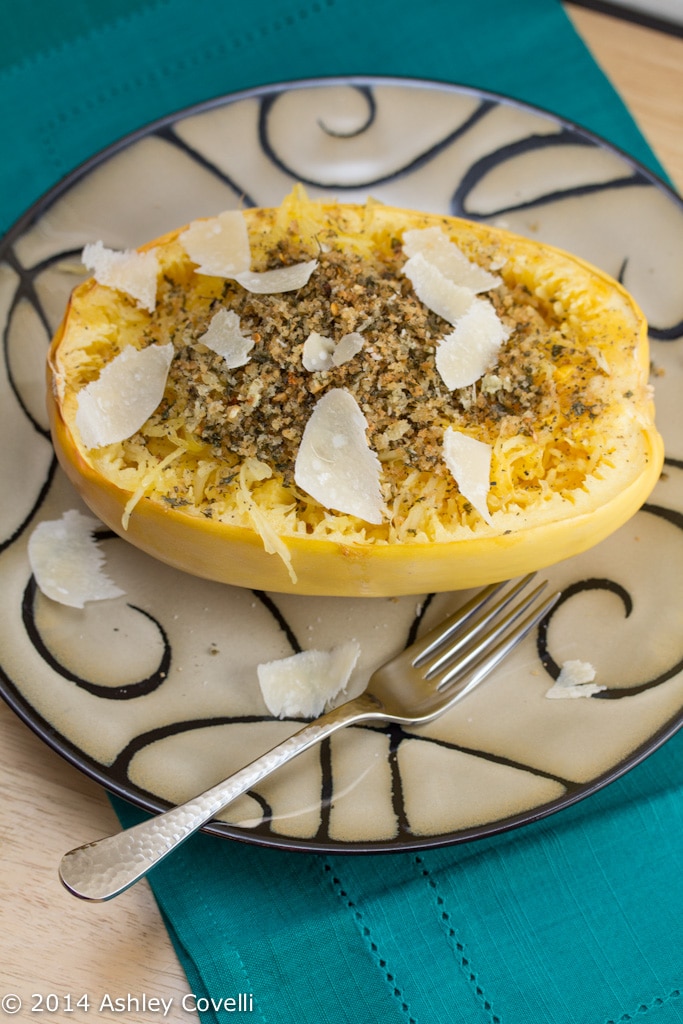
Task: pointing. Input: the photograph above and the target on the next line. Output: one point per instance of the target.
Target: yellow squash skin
(236, 555)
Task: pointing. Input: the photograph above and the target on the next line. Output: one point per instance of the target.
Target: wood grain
(51, 942)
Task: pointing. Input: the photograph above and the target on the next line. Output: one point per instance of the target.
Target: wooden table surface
(52, 944)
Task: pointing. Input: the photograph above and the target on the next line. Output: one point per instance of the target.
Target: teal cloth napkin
(573, 919)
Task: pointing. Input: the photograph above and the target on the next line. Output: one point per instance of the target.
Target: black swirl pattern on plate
(25, 291)
(375, 95)
(419, 160)
(363, 126)
(127, 691)
(240, 190)
(583, 586)
(532, 144)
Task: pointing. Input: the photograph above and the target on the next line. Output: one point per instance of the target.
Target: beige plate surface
(155, 693)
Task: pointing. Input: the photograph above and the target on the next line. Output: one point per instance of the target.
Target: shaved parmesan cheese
(576, 673)
(438, 250)
(472, 348)
(126, 393)
(220, 245)
(225, 338)
(134, 273)
(347, 347)
(575, 680)
(67, 563)
(282, 279)
(305, 683)
(438, 292)
(317, 352)
(321, 353)
(469, 461)
(334, 464)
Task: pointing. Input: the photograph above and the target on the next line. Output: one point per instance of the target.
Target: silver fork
(418, 685)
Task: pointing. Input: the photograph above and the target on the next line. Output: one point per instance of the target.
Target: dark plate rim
(48, 198)
(145, 801)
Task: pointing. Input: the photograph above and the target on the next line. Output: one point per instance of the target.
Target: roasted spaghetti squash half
(358, 400)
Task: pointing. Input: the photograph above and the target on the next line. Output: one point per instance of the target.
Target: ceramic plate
(155, 694)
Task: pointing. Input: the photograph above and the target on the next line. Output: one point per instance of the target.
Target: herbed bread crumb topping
(261, 409)
(224, 440)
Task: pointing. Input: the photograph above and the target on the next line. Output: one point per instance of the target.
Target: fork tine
(465, 650)
(497, 653)
(441, 634)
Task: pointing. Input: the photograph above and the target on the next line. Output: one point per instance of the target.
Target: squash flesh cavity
(208, 483)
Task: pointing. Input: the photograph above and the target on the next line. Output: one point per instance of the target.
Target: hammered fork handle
(100, 870)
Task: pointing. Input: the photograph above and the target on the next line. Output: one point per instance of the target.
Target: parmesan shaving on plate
(220, 245)
(469, 461)
(446, 256)
(304, 684)
(225, 338)
(464, 355)
(335, 464)
(67, 561)
(124, 396)
(575, 680)
(129, 271)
